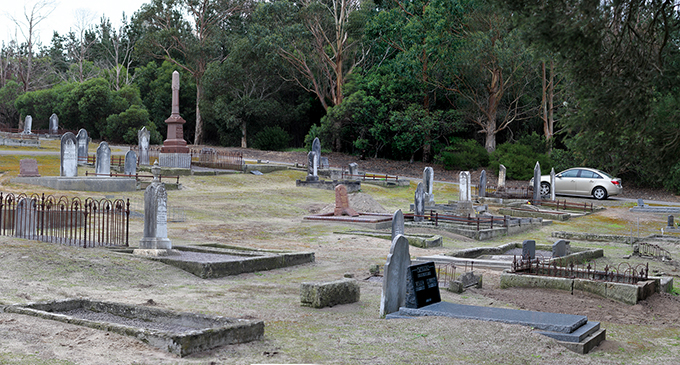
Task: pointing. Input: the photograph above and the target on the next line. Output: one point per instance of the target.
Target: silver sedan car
(582, 181)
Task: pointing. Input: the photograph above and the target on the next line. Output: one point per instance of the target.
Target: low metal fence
(623, 273)
(210, 157)
(70, 221)
(137, 176)
(650, 249)
(116, 160)
(364, 177)
(505, 192)
(564, 204)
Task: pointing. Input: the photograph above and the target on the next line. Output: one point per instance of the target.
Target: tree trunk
(495, 93)
(198, 136)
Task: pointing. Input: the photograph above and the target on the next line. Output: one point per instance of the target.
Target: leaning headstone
(397, 223)
(316, 147)
(312, 163)
(529, 249)
(537, 182)
(28, 124)
(354, 170)
(552, 184)
(428, 181)
(28, 167)
(425, 284)
(501, 177)
(83, 143)
(482, 184)
(394, 278)
(560, 248)
(342, 202)
(130, 163)
(155, 216)
(419, 203)
(143, 142)
(464, 186)
(102, 165)
(54, 124)
(69, 155)
(25, 220)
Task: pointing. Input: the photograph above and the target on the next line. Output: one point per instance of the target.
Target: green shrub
(562, 160)
(672, 183)
(271, 139)
(519, 160)
(123, 127)
(464, 155)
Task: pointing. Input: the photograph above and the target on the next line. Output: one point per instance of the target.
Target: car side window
(589, 175)
(570, 173)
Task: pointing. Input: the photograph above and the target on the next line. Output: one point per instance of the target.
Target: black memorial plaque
(425, 284)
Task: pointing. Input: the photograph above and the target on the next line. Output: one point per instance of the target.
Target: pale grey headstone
(552, 184)
(464, 186)
(25, 221)
(143, 137)
(69, 155)
(354, 169)
(316, 147)
(501, 176)
(83, 143)
(155, 214)
(482, 184)
(537, 182)
(529, 249)
(640, 203)
(103, 163)
(28, 124)
(419, 203)
(394, 277)
(559, 248)
(54, 124)
(397, 223)
(324, 163)
(428, 180)
(130, 163)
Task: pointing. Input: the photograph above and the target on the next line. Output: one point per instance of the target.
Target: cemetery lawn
(266, 212)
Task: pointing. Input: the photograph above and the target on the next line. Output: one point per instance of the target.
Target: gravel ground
(132, 322)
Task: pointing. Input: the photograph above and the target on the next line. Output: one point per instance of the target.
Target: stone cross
(464, 186)
(69, 155)
(28, 124)
(342, 202)
(428, 180)
(83, 144)
(529, 249)
(54, 124)
(537, 182)
(501, 177)
(316, 147)
(25, 220)
(482, 184)
(28, 167)
(394, 279)
(155, 214)
(103, 163)
(143, 142)
(397, 223)
(419, 203)
(130, 163)
(552, 184)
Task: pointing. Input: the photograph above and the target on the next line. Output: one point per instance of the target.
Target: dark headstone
(419, 203)
(28, 167)
(560, 248)
(425, 284)
(529, 249)
(482, 184)
(641, 203)
(671, 220)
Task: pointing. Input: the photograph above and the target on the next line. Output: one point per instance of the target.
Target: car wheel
(545, 189)
(600, 193)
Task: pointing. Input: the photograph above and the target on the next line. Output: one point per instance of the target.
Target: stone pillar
(175, 152)
(69, 156)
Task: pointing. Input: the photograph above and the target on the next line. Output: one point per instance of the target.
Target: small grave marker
(529, 249)
(342, 202)
(28, 123)
(130, 163)
(425, 284)
(560, 248)
(28, 167)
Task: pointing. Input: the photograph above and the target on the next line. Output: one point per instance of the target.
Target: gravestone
(175, 152)
(469, 279)
(316, 147)
(28, 124)
(28, 167)
(25, 220)
(324, 163)
(102, 165)
(69, 155)
(537, 182)
(342, 202)
(464, 186)
(83, 145)
(394, 278)
(640, 203)
(501, 177)
(552, 184)
(155, 214)
(54, 124)
(354, 170)
(312, 162)
(529, 249)
(671, 219)
(482, 184)
(428, 181)
(130, 163)
(419, 203)
(397, 223)
(425, 284)
(560, 248)
(143, 142)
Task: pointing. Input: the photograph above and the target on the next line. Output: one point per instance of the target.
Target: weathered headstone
(428, 181)
(537, 182)
(83, 143)
(552, 184)
(102, 165)
(28, 124)
(323, 162)
(69, 155)
(354, 170)
(671, 220)
(25, 220)
(28, 167)
(397, 223)
(312, 160)
(640, 203)
(470, 279)
(529, 249)
(464, 186)
(54, 124)
(342, 202)
(560, 248)
(143, 142)
(419, 203)
(155, 214)
(482, 184)
(394, 278)
(316, 147)
(425, 284)
(130, 163)
(501, 177)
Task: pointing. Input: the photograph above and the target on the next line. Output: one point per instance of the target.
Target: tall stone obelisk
(175, 152)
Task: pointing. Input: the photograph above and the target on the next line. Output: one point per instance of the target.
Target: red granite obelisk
(175, 152)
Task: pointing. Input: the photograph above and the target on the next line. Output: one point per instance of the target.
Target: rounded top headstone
(156, 170)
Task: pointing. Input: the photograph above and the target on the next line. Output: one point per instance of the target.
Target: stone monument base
(155, 243)
(177, 160)
(155, 252)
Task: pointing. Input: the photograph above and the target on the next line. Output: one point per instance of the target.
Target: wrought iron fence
(623, 273)
(480, 222)
(210, 157)
(69, 221)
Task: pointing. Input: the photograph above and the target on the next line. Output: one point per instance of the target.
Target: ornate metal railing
(623, 273)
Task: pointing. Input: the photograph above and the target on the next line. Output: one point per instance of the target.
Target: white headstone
(552, 184)
(69, 155)
(54, 124)
(397, 223)
(143, 137)
(394, 279)
(428, 180)
(130, 163)
(501, 176)
(537, 182)
(103, 164)
(83, 143)
(28, 124)
(316, 147)
(25, 218)
(464, 187)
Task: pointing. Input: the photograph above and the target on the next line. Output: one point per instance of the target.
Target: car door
(565, 182)
(587, 181)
